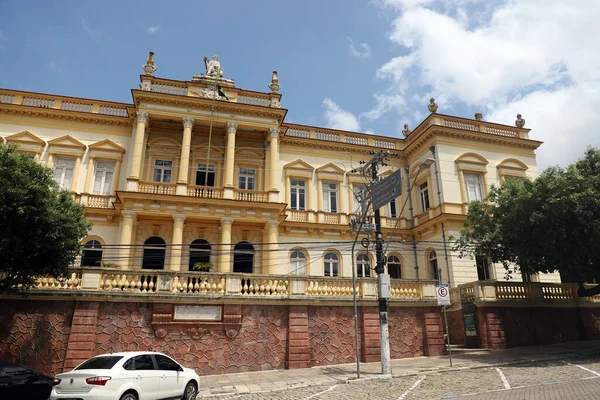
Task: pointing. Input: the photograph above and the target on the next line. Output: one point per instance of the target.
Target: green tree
(41, 226)
(544, 225)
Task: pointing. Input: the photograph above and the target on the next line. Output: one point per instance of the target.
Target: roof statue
(432, 106)
(405, 131)
(520, 122)
(274, 85)
(149, 68)
(213, 67)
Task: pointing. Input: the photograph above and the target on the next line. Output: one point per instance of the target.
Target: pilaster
(230, 154)
(224, 264)
(176, 243)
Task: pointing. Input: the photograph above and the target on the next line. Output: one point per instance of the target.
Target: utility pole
(383, 279)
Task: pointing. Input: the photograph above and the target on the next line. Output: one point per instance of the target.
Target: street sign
(443, 294)
(387, 189)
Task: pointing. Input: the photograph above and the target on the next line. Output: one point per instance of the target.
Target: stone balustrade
(109, 281)
(493, 291)
(469, 125)
(63, 103)
(331, 135)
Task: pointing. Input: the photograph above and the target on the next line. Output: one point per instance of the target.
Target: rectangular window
(63, 172)
(393, 209)
(360, 195)
(204, 177)
(103, 177)
(330, 197)
(163, 171)
(473, 187)
(423, 197)
(247, 178)
(297, 194)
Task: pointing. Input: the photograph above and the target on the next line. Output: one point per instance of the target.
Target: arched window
(484, 266)
(332, 264)
(394, 267)
(154, 253)
(297, 263)
(199, 252)
(92, 254)
(434, 272)
(243, 257)
(363, 265)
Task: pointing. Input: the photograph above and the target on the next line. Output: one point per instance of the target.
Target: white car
(135, 375)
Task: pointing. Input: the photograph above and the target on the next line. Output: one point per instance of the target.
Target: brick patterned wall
(298, 338)
(331, 335)
(433, 341)
(260, 345)
(35, 333)
(406, 332)
(369, 323)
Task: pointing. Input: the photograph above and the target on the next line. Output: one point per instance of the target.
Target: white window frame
(330, 197)
(363, 265)
(334, 264)
(246, 178)
(105, 184)
(297, 263)
(393, 258)
(424, 201)
(162, 169)
(297, 193)
(473, 186)
(61, 181)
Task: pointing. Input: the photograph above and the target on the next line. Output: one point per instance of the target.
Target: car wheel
(129, 396)
(190, 392)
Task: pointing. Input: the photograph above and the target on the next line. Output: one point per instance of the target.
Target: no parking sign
(443, 294)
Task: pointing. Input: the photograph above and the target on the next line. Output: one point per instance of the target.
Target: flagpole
(212, 112)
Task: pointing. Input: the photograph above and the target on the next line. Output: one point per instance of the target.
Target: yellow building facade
(201, 171)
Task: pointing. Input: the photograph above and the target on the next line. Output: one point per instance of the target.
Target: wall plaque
(197, 313)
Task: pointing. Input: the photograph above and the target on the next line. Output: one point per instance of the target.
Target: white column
(125, 238)
(138, 147)
(184, 161)
(224, 264)
(176, 242)
(274, 159)
(271, 260)
(230, 154)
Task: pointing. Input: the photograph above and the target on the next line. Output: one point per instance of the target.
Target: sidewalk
(273, 380)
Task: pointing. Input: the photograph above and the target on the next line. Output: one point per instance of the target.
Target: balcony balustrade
(185, 284)
(493, 291)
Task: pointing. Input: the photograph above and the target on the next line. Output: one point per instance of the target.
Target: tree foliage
(544, 225)
(41, 226)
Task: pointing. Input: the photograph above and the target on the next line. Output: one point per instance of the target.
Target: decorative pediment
(106, 146)
(249, 154)
(164, 146)
(25, 137)
(298, 168)
(513, 164)
(330, 172)
(164, 142)
(201, 150)
(471, 158)
(67, 141)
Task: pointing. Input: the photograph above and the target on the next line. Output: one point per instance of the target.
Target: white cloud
(363, 50)
(338, 118)
(51, 64)
(93, 33)
(533, 57)
(152, 29)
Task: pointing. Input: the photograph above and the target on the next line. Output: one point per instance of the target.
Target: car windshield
(104, 362)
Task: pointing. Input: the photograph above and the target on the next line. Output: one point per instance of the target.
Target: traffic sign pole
(443, 299)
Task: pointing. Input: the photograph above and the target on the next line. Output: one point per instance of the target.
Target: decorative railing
(331, 218)
(361, 141)
(503, 291)
(184, 284)
(468, 125)
(297, 215)
(254, 100)
(98, 201)
(329, 135)
(205, 192)
(295, 132)
(86, 106)
(157, 187)
(251, 195)
(170, 88)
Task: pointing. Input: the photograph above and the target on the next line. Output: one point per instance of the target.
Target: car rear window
(104, 362)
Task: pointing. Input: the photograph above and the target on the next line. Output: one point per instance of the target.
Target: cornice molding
(64, 115)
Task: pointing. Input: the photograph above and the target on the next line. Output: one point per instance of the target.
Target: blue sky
(368, 66)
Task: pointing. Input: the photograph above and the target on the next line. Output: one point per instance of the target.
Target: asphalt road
(575, 379)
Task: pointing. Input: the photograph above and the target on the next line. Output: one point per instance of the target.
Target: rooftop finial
(520, 122)
(149, 68)
(432, 106)
(478, 116)
(274, 85)
(406, 131)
